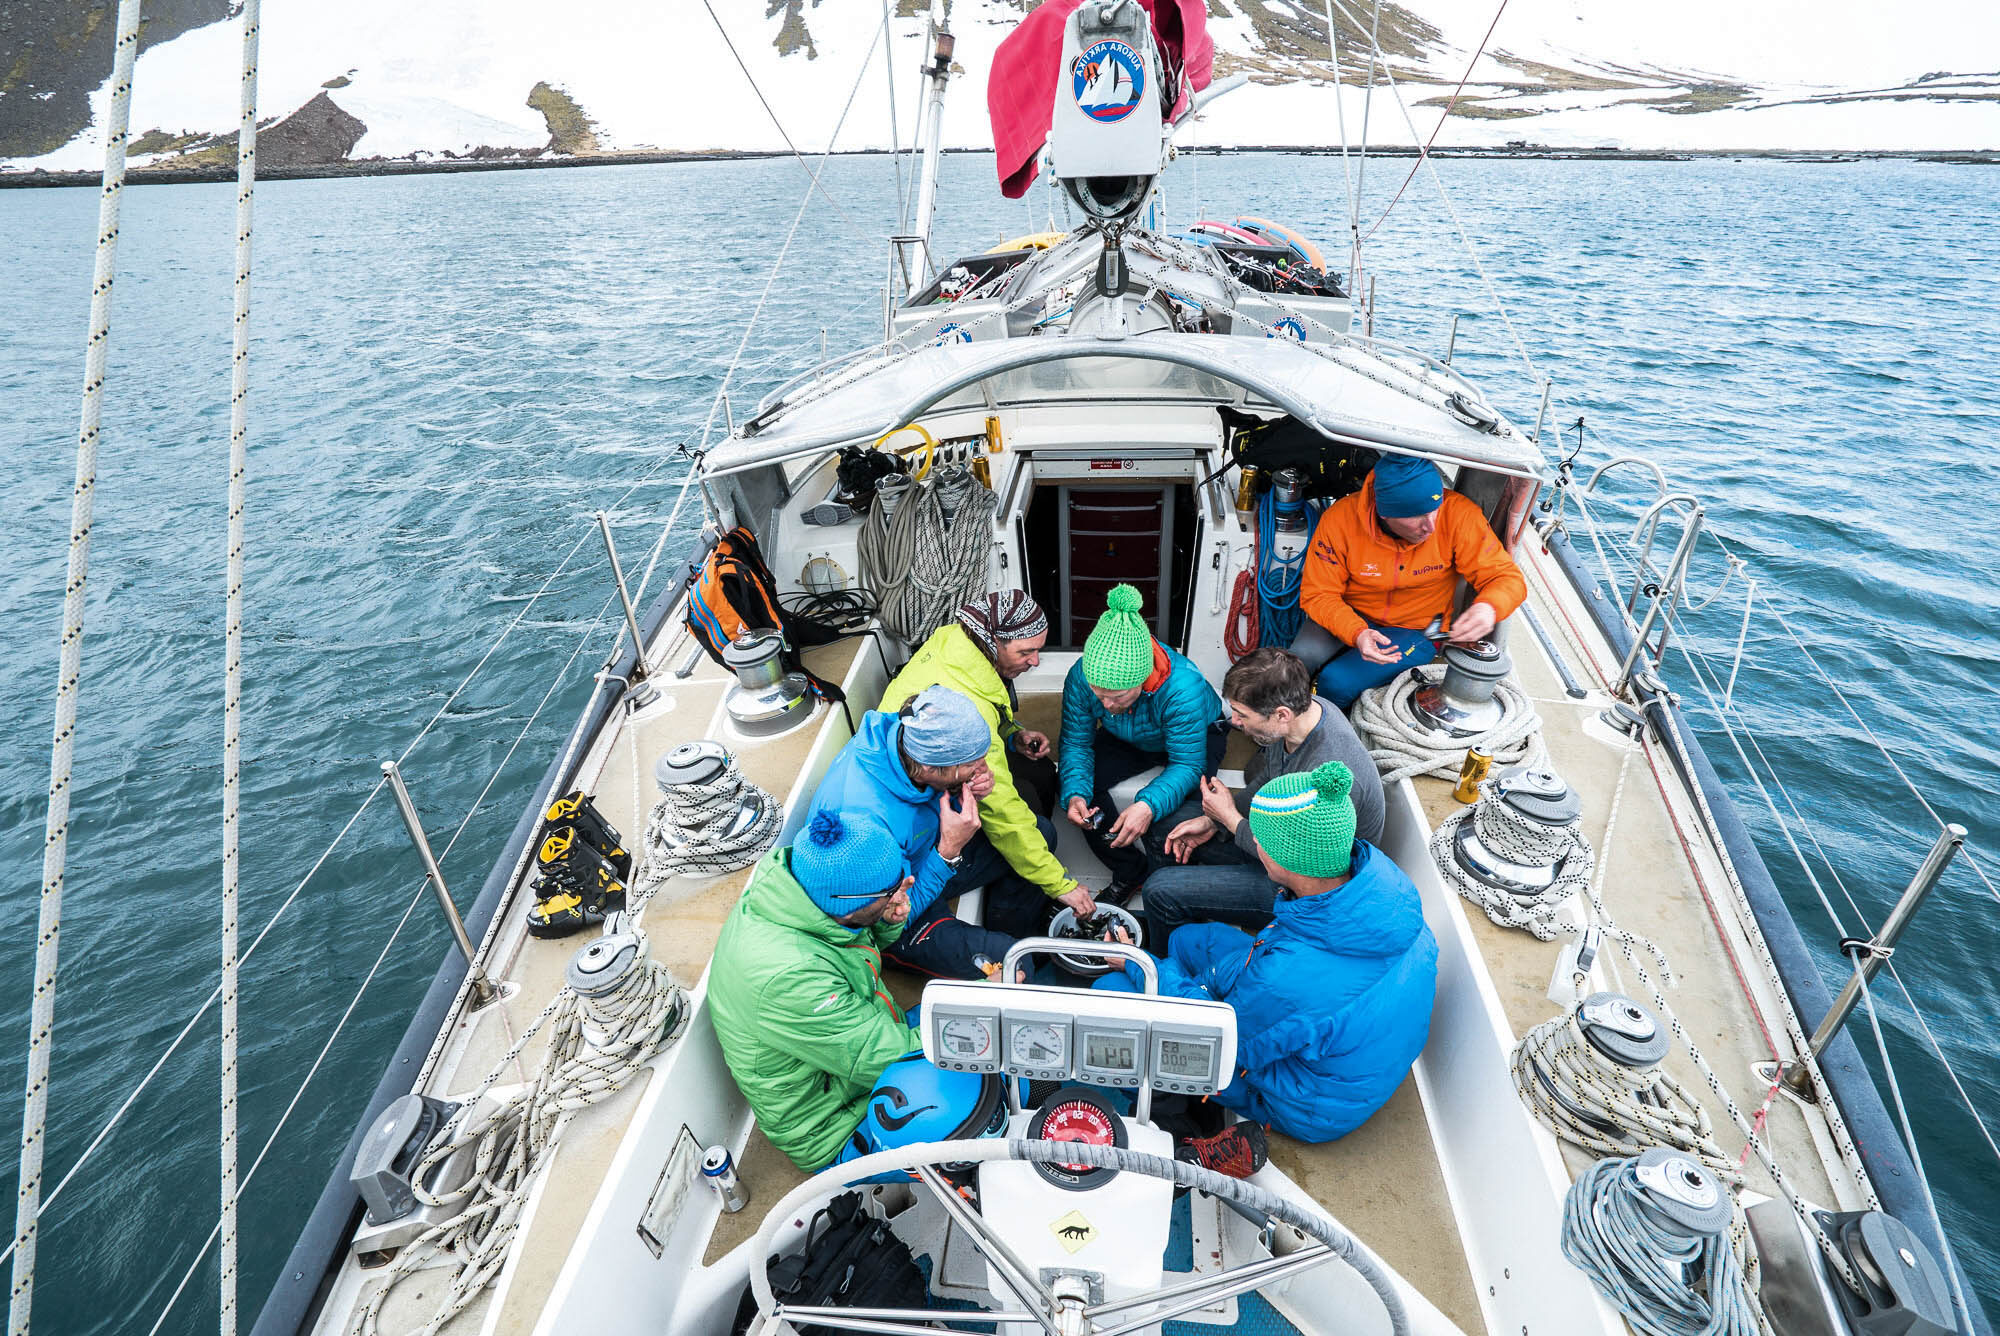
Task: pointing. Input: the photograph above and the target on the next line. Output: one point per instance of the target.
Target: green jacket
(950, 658)
(805, 1021)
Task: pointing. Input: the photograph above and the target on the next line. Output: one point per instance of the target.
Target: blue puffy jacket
(1333, 999)
(1172, 716)
(868, 776)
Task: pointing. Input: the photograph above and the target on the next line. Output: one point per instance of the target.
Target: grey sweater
(1333, 740)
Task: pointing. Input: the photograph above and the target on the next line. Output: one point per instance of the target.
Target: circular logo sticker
(1108, 81)
(951, 333)
(1289, 327)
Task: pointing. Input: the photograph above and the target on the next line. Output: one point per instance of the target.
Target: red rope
(1423, 156)
(1239, 633)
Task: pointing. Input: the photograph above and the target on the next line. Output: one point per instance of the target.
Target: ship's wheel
(1062, 1306)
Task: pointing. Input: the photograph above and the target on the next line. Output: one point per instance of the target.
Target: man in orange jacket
(1383, 567)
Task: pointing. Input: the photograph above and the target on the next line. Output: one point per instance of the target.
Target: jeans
(1116, 760)
(942, 945)
(1240, 895)
(1345, 674)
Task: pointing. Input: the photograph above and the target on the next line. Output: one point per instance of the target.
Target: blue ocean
(451, 373)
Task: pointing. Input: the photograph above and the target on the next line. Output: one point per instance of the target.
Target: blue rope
(1665, 1281)
(1280, 578)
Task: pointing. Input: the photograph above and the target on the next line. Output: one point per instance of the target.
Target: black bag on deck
(1330, 469)
(850, 1260)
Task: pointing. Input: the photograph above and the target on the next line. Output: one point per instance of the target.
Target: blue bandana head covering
(1406, 487)
(943, 728)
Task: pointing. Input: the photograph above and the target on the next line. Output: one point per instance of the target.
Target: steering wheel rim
(922, 1160)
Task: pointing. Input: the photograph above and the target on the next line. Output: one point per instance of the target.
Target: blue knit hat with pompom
(844, 861)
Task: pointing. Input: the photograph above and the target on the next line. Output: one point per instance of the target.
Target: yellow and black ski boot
(563, 906)
(576, 813)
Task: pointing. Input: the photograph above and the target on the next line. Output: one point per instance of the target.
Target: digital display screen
(1187, 1058)
(1110, 1052)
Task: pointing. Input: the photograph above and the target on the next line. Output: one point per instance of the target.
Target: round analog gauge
(1037, 1044)
(967, 1038)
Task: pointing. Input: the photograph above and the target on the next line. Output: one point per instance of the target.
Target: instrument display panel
(1038, 1045)
(1110, 1055)
(1185, 1060)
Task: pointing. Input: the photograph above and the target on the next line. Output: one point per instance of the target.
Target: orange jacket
(1356, 569)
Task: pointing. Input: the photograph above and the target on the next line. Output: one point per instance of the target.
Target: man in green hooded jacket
(795, 989)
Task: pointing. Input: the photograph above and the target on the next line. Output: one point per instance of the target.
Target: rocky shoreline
(172, 175)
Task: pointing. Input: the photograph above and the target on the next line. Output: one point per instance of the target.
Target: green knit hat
(1118, 655)
(1305, 821)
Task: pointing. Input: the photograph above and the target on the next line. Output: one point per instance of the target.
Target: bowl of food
(1091, 928)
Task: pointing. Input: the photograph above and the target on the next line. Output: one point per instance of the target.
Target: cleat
(1237, 1151)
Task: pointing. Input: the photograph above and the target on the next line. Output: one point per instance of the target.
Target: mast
(930, 134)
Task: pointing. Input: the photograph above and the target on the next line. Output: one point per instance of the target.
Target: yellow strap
(929, 447)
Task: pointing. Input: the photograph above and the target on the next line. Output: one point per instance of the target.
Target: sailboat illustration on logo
(1107, 81)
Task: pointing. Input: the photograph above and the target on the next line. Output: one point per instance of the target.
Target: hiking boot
(564, 911)
(1118, 892)
(1237, 1151)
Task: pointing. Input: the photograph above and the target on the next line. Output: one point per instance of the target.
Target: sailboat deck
(1385, 1182)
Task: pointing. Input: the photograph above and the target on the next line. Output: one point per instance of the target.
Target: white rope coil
(597, 1045)
(1557, 1070)
(689, 832)
(1404, 746)
(1666, 1279)
(930, 554)
(1518, 839)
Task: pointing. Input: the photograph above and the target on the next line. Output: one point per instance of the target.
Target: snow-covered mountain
(382, 78)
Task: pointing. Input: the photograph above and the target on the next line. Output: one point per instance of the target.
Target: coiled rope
(1518, 839)
(1557, 1070)
(1240, 632)
(1665, 1277)
(1403, 746)
(1280, 578)
(598, 1043)
(689, 832)
(927, 554)
(232, 688)
(55, 834)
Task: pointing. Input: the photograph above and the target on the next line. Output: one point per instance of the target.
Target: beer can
(1246, 490)
(1478, 765)
(720, 1170)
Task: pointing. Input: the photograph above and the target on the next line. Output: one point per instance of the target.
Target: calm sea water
(450, 373)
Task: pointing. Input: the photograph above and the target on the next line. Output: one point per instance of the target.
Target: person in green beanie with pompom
(1130, 704)
(1333, 998)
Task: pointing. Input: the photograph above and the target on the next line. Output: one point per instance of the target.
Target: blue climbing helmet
(915, 1102)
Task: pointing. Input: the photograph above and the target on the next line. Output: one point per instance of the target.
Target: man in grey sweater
(1269, 696)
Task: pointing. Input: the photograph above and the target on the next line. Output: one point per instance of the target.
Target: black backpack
(850, 1260)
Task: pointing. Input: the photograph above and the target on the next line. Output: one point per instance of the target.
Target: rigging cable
(55, 839)
(1424, 155)
(232, 689)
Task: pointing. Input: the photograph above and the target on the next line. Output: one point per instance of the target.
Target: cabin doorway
(1079, 539)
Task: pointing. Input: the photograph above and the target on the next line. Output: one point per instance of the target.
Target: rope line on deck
(1517, 839)
(1403, 747)
(690, 831)
(1668, 1278)
(232, 689)
(69, 674)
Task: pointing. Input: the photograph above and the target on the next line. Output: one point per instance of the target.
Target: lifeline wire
(55, 838)
(232, 690)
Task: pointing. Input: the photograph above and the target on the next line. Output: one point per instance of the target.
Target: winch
(688, 769)
(766, 699)
(1522, 849)
(1462, 704)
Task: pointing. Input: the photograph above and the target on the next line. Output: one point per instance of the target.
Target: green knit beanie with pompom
(1305, 821)
(1118, 655)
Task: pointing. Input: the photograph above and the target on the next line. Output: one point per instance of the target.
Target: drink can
(720, 1171)
(1478, 765)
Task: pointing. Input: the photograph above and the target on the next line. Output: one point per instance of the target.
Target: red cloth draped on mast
(1021, 91)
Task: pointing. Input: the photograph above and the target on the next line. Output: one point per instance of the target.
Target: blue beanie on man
(844, 861)
(1406, 486)
(943, 728)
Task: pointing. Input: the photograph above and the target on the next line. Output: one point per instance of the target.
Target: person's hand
(1031, 744)
(1080, 899)
(1188, 836)
(899, 908)
(1376, 647)
(957, 826)
(1475, 623)
(1081, 812)
(1116, 933)
(1133, 822)
(981, 784)
(1219, 804)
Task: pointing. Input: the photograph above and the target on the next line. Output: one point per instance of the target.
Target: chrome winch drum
(766, 700)
(1541, 811)
(1462, 705)
(700, 762)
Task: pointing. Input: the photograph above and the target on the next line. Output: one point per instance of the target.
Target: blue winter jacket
(868, 776)
(1333, 999)
(1172, 718)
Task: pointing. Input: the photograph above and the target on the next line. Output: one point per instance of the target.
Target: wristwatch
(952, 861)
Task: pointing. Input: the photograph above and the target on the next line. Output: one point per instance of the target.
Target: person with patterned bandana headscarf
(995, 639)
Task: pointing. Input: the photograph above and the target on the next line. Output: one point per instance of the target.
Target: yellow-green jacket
(950, 658)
